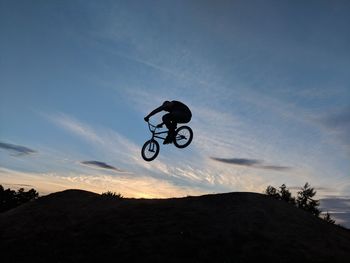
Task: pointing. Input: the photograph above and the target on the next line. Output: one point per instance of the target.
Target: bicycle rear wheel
(183, 137)
(150, 150)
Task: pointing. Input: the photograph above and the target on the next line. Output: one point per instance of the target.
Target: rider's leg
(168, 121)
(171, 125)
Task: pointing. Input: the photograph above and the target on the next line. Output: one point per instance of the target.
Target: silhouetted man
(178, 113)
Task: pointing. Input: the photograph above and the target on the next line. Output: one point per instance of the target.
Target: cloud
(97, 164)
(76, 127)
(338, 208)
(18, 185)
(238, 161)
(317, 188)
(251, 163)
(108, 141)
(18, 150)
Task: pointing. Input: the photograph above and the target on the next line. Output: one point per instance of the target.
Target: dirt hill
(80, 226)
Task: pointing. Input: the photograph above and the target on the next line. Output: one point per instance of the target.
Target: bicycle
(182, 138)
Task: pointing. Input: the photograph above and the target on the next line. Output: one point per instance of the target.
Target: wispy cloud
(17, 150)
(251, 163)
(109, 141)
(76, 127)
(338, 208)
(98, 164)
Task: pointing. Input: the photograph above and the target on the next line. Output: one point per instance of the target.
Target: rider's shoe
(169, 139)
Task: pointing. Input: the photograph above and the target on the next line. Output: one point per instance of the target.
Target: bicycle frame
(155, 134)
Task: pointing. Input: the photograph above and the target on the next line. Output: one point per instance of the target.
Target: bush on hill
(112, 195)
(10, 198)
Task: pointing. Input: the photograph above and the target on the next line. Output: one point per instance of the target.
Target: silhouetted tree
(327, 218)
(281, 194)
(305, 201)
(285, 195)
(272, 191)
(10, 198)
(7, 198)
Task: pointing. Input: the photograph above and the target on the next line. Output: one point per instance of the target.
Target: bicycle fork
(151, 146)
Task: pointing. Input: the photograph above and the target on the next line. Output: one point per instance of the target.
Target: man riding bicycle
(178, 113)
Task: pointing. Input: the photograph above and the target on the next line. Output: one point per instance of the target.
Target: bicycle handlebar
(151, 127)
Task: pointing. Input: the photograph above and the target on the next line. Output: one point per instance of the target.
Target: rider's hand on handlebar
(146, 119)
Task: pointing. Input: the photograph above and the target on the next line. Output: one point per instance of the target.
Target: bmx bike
(182, 138)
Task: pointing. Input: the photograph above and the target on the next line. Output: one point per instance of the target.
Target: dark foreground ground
(79, 226)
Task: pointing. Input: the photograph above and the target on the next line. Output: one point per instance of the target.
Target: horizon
(267, 84)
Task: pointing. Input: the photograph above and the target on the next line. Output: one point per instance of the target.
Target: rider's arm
(155, 111)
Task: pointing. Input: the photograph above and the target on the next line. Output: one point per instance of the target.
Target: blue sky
(267, 83)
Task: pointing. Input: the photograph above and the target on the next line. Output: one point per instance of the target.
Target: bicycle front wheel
(183, 137)
(150, 150)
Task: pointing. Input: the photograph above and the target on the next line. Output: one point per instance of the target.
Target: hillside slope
(77, 226)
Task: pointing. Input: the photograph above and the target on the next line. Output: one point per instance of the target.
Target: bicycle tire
(183, 133)
(148, 148)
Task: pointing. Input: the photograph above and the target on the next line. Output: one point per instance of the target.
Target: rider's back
(179, 106)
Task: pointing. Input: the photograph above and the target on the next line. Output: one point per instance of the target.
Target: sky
(267, 83)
